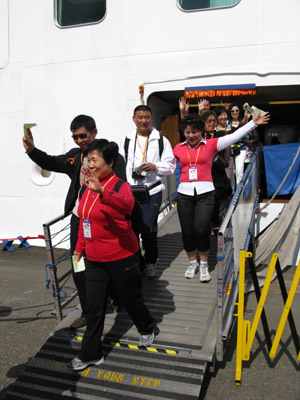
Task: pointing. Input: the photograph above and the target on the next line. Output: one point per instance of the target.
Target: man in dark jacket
(84, 131)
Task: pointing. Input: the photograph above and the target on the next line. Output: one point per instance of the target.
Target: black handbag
(141, 193)
(219, 162)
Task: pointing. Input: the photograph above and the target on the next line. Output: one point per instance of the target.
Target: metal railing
(234, 235)
(52, 241)
(56, 233)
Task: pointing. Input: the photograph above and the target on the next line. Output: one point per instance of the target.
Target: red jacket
(112, 235)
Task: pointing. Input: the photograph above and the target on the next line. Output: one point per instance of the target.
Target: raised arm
(228, 140)
(183, 107)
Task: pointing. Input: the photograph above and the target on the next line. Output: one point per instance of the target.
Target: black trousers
(126, 281)
(195, 214)
(78, 277)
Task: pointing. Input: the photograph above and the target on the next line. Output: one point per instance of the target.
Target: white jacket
(165, 164)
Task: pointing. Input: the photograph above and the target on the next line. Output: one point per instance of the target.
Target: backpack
(160, 145)
(136, 215)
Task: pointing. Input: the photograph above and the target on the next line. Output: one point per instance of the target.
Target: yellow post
(285, 313)
(260, 305)
(240, 345)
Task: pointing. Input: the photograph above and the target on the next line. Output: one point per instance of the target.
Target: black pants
(195, 214)
(148, 228)
(126, 281)
(78, 277)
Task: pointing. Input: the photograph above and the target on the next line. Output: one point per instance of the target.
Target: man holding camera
(148, 157)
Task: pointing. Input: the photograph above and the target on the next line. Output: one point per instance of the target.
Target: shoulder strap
(161, 144)
(126, 145)
(118, 185)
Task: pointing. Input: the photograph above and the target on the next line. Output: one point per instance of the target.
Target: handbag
(141, 193)
(219, 163)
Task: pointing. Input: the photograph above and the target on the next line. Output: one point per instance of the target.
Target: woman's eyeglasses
(235, 111)
(80, 136)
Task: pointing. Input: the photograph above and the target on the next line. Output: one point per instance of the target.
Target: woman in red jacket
(110, 246)
(196, 192)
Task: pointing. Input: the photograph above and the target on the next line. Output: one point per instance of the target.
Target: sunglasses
(235, 111)
(81, 136)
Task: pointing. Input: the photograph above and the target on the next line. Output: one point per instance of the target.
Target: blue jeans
(148, 229)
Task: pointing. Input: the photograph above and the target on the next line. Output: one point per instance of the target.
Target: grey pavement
(27, 320)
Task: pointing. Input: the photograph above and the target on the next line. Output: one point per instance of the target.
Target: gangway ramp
(172, 368)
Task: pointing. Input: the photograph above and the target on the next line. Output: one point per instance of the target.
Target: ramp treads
(172, 368)
(127, 373)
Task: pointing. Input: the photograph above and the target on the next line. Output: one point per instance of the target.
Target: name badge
(87, 232)
(193, 173)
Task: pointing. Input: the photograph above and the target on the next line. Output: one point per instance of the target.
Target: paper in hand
(78, 265)
(27, 126)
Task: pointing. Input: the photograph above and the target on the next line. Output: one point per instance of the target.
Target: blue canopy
(278, 159)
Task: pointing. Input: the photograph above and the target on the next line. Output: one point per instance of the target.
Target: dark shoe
(151, 271)
(79, 323)
(77, 365)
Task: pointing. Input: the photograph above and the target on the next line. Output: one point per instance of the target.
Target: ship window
(79, 12)
(189, 5)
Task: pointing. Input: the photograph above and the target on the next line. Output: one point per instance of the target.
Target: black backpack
(136, 215)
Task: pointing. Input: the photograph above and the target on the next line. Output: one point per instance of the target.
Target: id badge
(87, 232)
(193, 173)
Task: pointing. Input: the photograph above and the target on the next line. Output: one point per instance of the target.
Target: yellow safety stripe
(135, 347)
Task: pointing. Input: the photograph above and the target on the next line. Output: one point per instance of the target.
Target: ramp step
(127, 373)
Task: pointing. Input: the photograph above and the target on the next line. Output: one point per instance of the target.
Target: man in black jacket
(84, 131)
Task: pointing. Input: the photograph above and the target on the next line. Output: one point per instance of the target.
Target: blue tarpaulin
(278, 159)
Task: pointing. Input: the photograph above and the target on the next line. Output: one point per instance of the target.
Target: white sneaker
(150, 271)
(146, 340)
(204, 274)
(191, 271)
(77, 365)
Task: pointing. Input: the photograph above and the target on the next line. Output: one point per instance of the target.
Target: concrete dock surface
(27, 320)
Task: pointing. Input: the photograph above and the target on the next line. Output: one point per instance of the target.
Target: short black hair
(194, 121)
(142, 107)
(108, 150)
(220, 110)
(83, 120)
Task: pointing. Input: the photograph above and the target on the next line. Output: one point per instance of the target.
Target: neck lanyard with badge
(86, 222)
(137, 171)
(193, 175)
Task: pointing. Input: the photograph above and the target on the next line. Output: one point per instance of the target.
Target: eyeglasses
(235, 111)
(211, 121)
(81, 136)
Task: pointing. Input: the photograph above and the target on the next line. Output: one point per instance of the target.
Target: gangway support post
(246, 331)
(260, 306)
(285, 313)
(241, 326)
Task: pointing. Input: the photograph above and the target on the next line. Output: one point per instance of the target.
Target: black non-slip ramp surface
(172, 368)
(127, 373)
